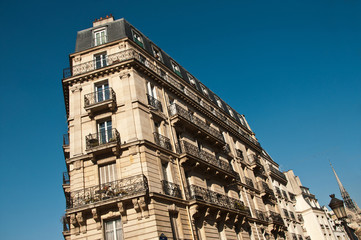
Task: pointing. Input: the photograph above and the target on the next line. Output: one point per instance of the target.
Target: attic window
(137, 38)
(219, 103)
(204, 90)
(157, 54)
(230, 111)
(176, 68)
(100, 37)
(191, 79)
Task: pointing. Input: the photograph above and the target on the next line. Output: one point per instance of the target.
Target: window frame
(175, 66)
(103, 39)
(158, 57)
(114, 229)
(103, 60)
(140, 41)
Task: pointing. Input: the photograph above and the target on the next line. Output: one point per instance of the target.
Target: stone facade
(151, 152)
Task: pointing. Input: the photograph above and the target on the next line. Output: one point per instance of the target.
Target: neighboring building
(285, 201)
(338, 230)
(316, 222)
(151, 151)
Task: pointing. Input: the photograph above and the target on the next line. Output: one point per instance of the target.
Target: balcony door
(105, 131)
(100, 60)
(102, 92)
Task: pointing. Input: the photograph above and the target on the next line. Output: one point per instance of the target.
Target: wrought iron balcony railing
(154, 103)
(175, 109)
(66, 179)
(211, 159)
(162, 141)
(261, 215)
(275, 217)
(122, 188)
(102, 138)
(218, 199)
(171, 189)
(99, 96)
(248, 182)
(278, 173)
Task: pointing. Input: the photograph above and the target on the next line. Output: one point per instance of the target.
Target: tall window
(105, 131)
(165, 171)
(100, 37)
(137, 38)
(100, 60)
(176, 69)
(113, 230)
(107, 173)
(151, 90)
(102, 92)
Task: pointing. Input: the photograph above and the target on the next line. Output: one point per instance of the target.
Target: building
(317, 222)
(338, 230)
(152, 152)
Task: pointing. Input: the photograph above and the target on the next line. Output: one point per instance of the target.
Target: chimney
(101, 21)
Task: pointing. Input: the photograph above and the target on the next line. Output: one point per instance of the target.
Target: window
(102, 92)
(165, 171)
(105, 131)
(113, 230)
(157, 54)
(191, 79)
(100, 60)
(100, 37)
(157, 127)
(230, 111)
(152, 91)
(204, 90)
(107, 173)
(219, 103)
(242, 120)
(176, 68)
(137, 38)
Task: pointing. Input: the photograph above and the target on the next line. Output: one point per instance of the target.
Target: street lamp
(338, 208)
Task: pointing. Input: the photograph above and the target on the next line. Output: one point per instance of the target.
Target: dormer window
(176, 68)
(100, 37)
(204, 90)
(157, 54)
(137, 38)
(191, 79)
(230, 111)
(219, 103)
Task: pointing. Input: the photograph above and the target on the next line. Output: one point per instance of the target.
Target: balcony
(266, 191)
(154, 103)
(102, 100)
(196, 156)
(277, 175)
(66, 149)
(261, 215)
(217, 199)
(248, 182)
(102, 142)
(171, 189)
(184, 118)
(162, 141)
(275, 218)
(109, 192)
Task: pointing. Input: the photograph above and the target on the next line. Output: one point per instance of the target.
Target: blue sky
(292, 67)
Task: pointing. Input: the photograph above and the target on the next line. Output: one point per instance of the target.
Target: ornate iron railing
(199, 193)
(248, 182)
(162, 141)
(175, 109)
(275, 217)
(66, 140)
(66, 179)
(102, 138)
(154, 103)
(261, 215)
(277, 172)
(99, 96)
(189, 148)
(122, 188)
(171, 189)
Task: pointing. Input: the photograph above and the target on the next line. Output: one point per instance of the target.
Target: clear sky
(292, 67)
